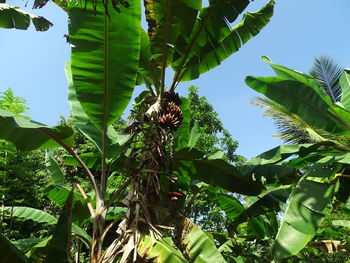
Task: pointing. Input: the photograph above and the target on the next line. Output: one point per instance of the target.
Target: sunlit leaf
(13, 17)
(17, 130)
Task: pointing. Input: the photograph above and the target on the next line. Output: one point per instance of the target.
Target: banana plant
(324, 164)
(155, 155)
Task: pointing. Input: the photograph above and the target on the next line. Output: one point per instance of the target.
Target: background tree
(214, 137)
(22, 174)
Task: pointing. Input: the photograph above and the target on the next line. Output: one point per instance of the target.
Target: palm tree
(292, 128)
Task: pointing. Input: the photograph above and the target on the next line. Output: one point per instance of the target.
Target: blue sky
(32, 64)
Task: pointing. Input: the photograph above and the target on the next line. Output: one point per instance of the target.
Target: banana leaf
(216, 172)
(105, 58)
(304, 213)
(212, 39)
(39, 216)
(13, 17)
(60, 244)
(302, 100)
(53, 169)
(162, 251)
(17, 130)
(87, 127)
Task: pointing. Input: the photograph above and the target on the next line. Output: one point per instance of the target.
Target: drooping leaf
(39, 216)
(268, 202)
(10, 253)
(59, 247)
(54, 169)
(29, 213)
(213, 40)
(270, 173)
(302, 100)
(17, 130)
(215, 172)
(13, 17)
(282, 152)
(304, 213)
(105, 58)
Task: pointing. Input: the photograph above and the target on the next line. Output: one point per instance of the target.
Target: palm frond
(292, 129)
(328, 73)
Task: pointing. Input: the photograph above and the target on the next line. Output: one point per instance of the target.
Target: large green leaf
(270, 173)
(305, 212)
(302, 100)
(215, 172)
(59, 247)
(91, 160)
(287, 73)
(213, 40)
(289, 241)
(282, 152)
(10, 253)
(230, 205)
(200, 248)
(53, 169)
(17, 130)
(268, 202)
(39, 216)
(13, 17)
(29, 213)
(85, 125)
(161, 251)
(105, 58)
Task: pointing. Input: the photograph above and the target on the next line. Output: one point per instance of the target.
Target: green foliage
(13, 17)
(10, 102)
(110, 55)
(104, 87)
(214, 137)
(311, 99)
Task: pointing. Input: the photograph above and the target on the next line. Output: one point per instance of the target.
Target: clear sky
(32, 64)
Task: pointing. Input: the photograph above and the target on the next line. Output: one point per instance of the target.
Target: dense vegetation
(165, 185)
